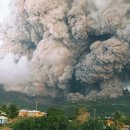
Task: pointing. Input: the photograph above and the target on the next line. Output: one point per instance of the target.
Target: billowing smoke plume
(105, 59)
(77, 49)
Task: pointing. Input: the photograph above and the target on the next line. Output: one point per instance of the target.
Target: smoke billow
(105, 59)
(51, 46)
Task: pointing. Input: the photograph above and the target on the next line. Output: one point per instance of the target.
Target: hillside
(101, 107)
(21, 100)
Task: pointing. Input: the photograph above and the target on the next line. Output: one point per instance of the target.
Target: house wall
(35, 114)
(31, 114)
(23, 114)
(3, 121)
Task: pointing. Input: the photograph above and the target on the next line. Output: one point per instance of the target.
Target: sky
(4, 9)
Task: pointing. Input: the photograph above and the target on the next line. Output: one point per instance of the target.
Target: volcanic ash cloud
(13, 69)
(66, 48)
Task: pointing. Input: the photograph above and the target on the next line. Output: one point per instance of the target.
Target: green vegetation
(118, 120)
(22, 100)
(11, 110)
(100, 107)
(58, 120)
(93, 125)
(80, 115)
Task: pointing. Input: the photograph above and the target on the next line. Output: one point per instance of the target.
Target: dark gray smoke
(104, 60)
(71, 48)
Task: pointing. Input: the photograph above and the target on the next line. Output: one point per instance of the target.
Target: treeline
(81, 120)
(11, 111)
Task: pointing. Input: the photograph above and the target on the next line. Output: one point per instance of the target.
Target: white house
(3, 120)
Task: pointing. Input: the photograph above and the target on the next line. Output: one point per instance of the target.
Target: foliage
(93, 125)
(11, 110)
(53, 111)
(127, 120)
(80, 116)
(118, 120)
(56, 120)
(4, 108)
(104, 107)
(108, 128)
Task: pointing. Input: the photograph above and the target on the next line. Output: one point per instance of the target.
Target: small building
(23, 113)
(36, 113)
(3, 120)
